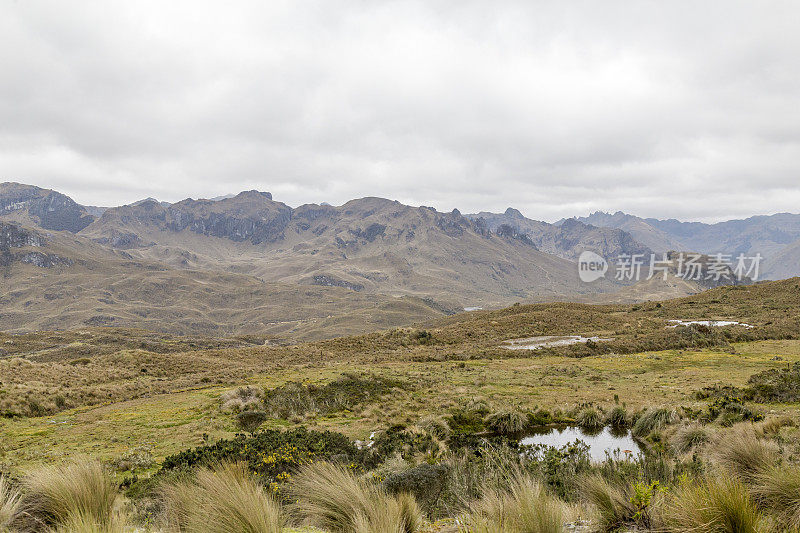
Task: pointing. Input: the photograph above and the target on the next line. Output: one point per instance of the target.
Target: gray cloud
(669, 109)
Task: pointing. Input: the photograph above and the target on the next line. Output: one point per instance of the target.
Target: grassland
(164, 423)
(130, 398)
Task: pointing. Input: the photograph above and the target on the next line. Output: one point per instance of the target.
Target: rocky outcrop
(330, 281)
(49, 209)
(249, 216)
(567, 240)
(13, 236)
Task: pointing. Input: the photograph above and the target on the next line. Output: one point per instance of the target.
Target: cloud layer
(667, 109)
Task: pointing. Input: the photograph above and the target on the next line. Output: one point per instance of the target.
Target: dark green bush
(345, 393)
(249, 421)
(271, 454)
(425, 482)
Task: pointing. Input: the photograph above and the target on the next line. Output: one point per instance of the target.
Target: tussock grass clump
(720, 504)
(689, 438)
(590, 418)
(772, 426)
(55, 495)
(79, 523)
(246, 398)
(741, 453)
(654, 420)
(224, 500)
(507, 422)
(778, 488)
(436, 426)
(332, 498)
(617, 417)
(9, 502)
(612, 502)
(525, 507)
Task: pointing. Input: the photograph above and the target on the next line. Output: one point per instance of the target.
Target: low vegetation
(413, 429)
(227, 499)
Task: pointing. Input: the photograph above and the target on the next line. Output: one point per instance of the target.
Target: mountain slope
(566, 240)
(767, 235)
(59, 281)
(784, 264)
(371, 245)
(44, 208)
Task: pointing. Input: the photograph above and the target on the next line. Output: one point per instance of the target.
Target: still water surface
(599, 442)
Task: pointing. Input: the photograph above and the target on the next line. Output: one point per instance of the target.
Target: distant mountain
(643, 232)
(52, 281)
(371, 244)
(783, 264)
(42, 207)
(249, 263)
(767, 235)
(565, 240)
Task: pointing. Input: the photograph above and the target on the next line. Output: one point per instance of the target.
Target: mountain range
(776, 237)
(247, 263)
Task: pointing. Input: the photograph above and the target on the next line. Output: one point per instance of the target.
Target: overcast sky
(669, 109)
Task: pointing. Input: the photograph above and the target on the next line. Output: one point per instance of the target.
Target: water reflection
(599, 441)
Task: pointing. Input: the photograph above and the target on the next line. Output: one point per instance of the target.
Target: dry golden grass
(524, 507)
(55, 496)
(225, 499)
(9, 502)
(719, 504)
(333, 498)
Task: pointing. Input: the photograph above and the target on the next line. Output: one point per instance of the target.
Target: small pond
(599, 442)
(711, 323)
(548, 341)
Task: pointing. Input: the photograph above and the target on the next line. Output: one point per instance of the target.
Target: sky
(687, 110)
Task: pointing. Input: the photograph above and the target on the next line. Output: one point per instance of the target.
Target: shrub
(719, 504)
(541, 417)
(687, 438)
(274, 455)
(775, 385)
(617, 418)
(468, 421)
(425, 482)
(507, 422)
(332, 498)
(590, 418)
(226, 499)
(524, 508)
(728, 410)
(779, 489)
(9, 502)
(654, 420)
(741, 453)
(55, 495)
(398, 439)
(346, 392)
(249, 421)
(559, 468)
